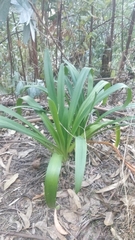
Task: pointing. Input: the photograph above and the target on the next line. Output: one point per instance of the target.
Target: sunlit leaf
(80, 161)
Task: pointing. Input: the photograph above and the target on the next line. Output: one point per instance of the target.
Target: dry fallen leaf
(8, 164)
(62, 194)
(18, 226)
(42, 225)
(59, 228)
(25, 220)
(113, 186)
(24, 153)
(10, 181)
(29, 210)
(115, 235)
(70, 216)
(2, 164)
(74, 196)
(91, 180)
(108, 219)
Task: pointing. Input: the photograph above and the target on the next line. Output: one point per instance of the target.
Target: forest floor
(104, 209)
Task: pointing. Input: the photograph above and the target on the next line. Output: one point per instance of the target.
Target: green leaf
(77, 93)
(117, 132)
(83, 113)
(51, 179)
(11, 124)
(49, 77)
(34, 133)
(80, 161)
(50, 127)
(87, 105)
(90, 83)
(56, 120)
(17, 116)
(112, 89)
(31, 102)
(73, 72)
(61, 91)
(18, 105)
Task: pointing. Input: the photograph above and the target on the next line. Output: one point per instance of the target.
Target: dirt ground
(104, 209)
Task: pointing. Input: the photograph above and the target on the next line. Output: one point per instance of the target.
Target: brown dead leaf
(24, 153)
(42, 225)
(25, 219)
(59, 228)
(62, 194)
(54, 234)
(10, 181)
(91, 180)
(29, 210)
(115, 235)
(69, 216)
(108, 219)
(8, 164)
(75, 198)
(2, 164)
(18, 225)
(113, 186)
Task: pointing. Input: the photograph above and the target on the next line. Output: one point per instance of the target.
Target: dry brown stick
(132, 168)
(27, 236)
(33, 120)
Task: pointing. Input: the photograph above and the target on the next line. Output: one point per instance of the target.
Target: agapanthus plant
(71, 101)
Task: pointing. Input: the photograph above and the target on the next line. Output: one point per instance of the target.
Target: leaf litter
(98, 211)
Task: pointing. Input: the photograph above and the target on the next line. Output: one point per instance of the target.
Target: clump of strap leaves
(71, 101)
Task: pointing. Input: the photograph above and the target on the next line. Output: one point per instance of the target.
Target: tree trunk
(107, 54)
(91, 30)
(125, 53)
